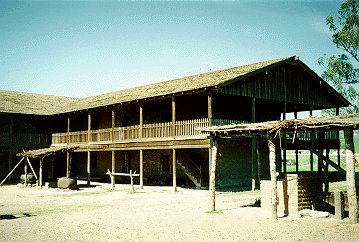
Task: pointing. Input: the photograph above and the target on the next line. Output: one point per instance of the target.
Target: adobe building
(154, 129)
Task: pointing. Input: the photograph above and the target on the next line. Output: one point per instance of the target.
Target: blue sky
(84, 48)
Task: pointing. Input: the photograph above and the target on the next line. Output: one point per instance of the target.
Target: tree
(342, 70)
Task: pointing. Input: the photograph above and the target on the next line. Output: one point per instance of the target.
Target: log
(174, 175)
(350, 176)
(212, 179)
(273, 176)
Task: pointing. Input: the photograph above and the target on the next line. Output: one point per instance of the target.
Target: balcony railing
(24, 139)
(149, 131)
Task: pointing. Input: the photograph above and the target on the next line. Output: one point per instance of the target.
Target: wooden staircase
(190, 168)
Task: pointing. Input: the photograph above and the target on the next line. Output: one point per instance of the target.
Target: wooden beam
(141, 169)
(89, 126)
(209, 95)
(40, 172)
(212, 179)
(273, 175)
(25, 171)
(333, 164)
(350, 161)
(88, 168)
(68, 164)
(12, 170)
(254, 149)
(141, 119)
(258, 156)
(174, 166)
(173, 116)
(113, 166)
(113, 124)
(68, 128)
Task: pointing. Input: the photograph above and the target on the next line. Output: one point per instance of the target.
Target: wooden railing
(156, 130)
(28, 139)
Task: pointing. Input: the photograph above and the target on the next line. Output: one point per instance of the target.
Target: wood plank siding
(286, 83)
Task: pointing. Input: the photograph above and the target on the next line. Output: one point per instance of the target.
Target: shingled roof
(15, 102)
(210, 79)
(29, 103)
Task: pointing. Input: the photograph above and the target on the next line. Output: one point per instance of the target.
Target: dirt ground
(152, 214)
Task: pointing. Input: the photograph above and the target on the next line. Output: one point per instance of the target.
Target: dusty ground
(152, 214)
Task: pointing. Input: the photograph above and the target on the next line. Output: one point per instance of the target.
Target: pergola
(41, 154)
(273, 130)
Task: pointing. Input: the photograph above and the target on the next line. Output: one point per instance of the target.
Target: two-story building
(153, 129)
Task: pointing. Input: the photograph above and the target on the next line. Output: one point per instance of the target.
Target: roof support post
(141, 169)
(89, 127)
(173, 116)
(312, 143)
(68, 128)
(113, 123)
(338, 139)
(174, 166)
(113, 165)
(284, 141)
(273, 175)
(141, 119)
(25, 171)
(40, 172)
(254, 149)
(88, 169)
(11, 130)
(350, 176)
(212, 178)
(258, 156)
(68, 164)
(209, 95)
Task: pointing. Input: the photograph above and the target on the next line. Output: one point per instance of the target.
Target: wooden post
(113, 124)
(141, 120)
(296, 150)
(254, 149)
(88, 168)
(68, 163)
(326, 173)
(40, 172)
(338, 140)
(89, 127)
(339, 204)
(68, 129)
(350, 160)
(258, 160)
(212, 179)
(25, 171)
(173, 116)
(209, 95)
(312, 143)
(113, 165)
(141, 169)
(284, 111)
(11, 130)
(174, 165)
(273, 175)
(131, 177)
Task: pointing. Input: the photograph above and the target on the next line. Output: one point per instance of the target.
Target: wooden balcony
(157, 131)
(24, 139)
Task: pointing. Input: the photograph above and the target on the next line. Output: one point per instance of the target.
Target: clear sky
(84, 48)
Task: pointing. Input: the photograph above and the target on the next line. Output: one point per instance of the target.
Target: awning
(41, 153)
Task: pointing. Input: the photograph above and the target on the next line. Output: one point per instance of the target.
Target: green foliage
(340, 70)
